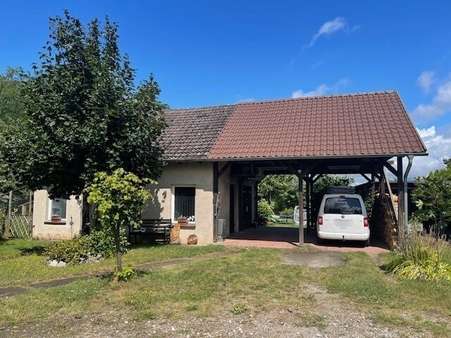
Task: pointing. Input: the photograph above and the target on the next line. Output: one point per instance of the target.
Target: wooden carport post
(308, 202)
(401, 196)
(301, 207)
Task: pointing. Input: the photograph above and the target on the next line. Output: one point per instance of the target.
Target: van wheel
(366, 243)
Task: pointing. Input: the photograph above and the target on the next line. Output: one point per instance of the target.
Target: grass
(22, 263)
(287, 224)
(391, 301)
(248, 281)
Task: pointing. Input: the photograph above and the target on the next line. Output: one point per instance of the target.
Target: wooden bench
(155, 230)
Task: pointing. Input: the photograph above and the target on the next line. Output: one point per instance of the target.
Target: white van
(343, 216)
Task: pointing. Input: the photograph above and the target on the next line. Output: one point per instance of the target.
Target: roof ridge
(391, 91)
(388, 91)
(202, 107)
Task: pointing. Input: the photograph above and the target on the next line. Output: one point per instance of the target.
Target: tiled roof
(191, 133)
(355, 125)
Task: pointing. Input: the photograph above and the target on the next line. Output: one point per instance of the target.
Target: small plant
(125, 275)
(239, 309)
(421, 257)
(264, 209)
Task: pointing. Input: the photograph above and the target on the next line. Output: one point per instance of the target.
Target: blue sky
(217, 52)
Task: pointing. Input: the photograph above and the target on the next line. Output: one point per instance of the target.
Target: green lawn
(392, 301)
(22, 263)
(283, 224)
(246, 280)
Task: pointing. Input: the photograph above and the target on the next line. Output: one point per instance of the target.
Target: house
(215, 157)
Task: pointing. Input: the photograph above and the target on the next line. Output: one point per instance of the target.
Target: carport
(367, 134)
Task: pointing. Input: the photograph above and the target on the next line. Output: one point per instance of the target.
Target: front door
(232, 208)
(245, 207)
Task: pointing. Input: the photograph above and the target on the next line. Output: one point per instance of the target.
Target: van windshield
(343, 205)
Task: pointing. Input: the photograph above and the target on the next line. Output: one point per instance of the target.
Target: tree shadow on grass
(34, 250)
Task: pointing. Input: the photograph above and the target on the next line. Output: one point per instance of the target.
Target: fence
(16, 211)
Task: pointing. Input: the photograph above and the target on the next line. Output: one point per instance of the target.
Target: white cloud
(441, 103)
(439, 148)
(331, 27)
(246, 100)
(322, 89)
(426, 80)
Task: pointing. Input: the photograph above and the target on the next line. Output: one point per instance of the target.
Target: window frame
(173, 201)
(49, 209)
(341, 213)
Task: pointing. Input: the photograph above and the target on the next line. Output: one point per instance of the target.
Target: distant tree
(11, 115)
(322, 184)
(432, 196)
(280, 191)
(84, 113)
(11, 102)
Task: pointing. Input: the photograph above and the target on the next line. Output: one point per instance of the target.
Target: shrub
(287, 212)
(100, 243)
(125, 275)
(95, 245)
(421, 257)
(2, 222)
(433, 199)
(72, 251)
(264, 209)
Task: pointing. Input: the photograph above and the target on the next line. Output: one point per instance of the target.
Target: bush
(264, 209)
(100, 243)
(2, 222)
(125, 275)
(287, 212)
(433, 199)
(93, 246)
(421, 257)
(72, 251)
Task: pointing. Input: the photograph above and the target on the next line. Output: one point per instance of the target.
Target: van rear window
(343, 205)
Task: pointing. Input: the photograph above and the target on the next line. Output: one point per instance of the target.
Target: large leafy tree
(11, 115)
(11, 103)
(84, 113)
(433, 198)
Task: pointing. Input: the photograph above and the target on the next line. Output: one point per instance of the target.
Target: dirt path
(331, 316)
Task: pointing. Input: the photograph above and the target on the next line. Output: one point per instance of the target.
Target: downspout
(405, 192)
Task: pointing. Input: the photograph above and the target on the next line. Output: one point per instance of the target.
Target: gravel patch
(330, 316)
(313, 259)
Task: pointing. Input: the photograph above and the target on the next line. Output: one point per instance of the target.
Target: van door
(343, 215)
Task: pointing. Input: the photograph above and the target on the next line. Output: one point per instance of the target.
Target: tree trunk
(117, 239)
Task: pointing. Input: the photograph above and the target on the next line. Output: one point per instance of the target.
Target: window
(343, 205)
(184, 205)
(57, 209)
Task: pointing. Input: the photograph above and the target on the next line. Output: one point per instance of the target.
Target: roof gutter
(233, 159)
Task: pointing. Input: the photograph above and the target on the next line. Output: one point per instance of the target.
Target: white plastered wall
(193, 174)
(43, 228)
